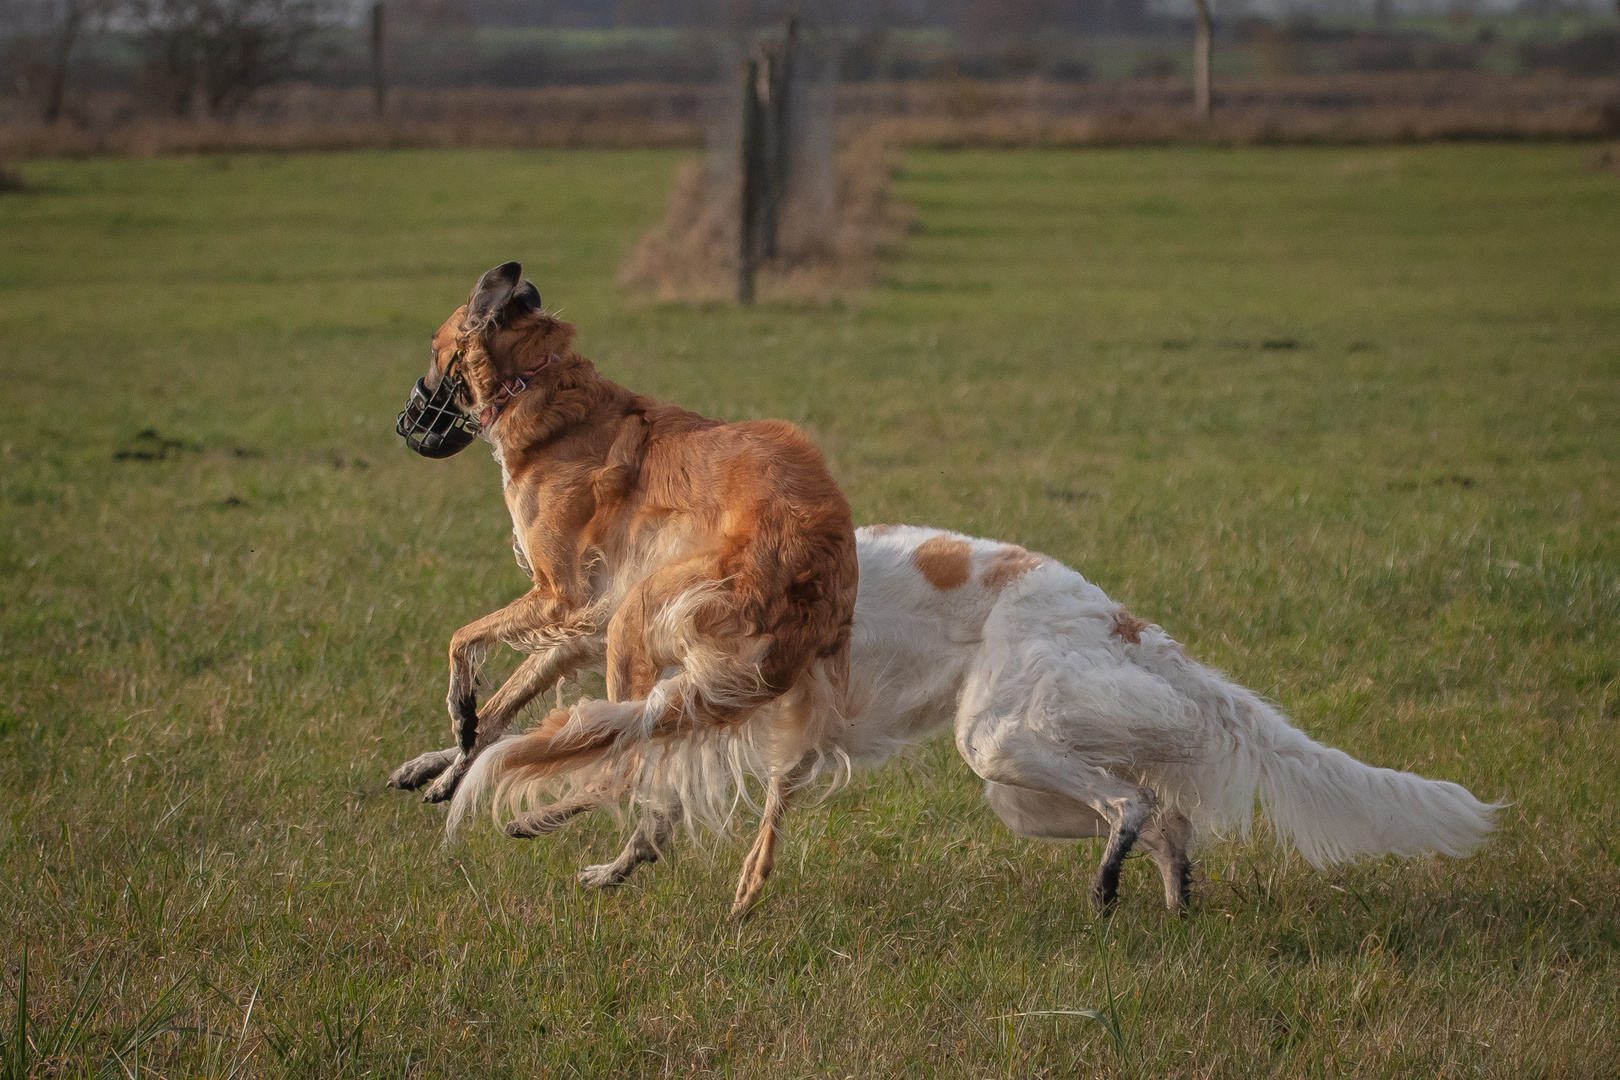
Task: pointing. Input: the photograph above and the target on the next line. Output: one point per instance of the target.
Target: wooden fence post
(779, 134)
(1201, 60)
(767, 142)
(379, 69)
(753, 181)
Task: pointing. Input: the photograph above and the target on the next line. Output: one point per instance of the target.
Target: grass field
(1346, 422)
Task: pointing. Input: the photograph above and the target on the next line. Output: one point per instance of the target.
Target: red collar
(506, 391)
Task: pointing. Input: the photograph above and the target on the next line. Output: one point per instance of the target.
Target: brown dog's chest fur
(608, 489)
(633, 486)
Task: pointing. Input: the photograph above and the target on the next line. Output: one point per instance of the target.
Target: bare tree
(40, 36)
(219, 52)
(71, 21)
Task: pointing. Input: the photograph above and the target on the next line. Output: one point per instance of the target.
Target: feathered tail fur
(1326, 804)
(678, 748)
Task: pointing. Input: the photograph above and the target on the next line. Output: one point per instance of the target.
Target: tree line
(196, 56)
(190, 58)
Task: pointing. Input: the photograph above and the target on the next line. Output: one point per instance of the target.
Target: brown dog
(715, 562)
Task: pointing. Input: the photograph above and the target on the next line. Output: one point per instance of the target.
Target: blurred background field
(163, 76)
(1341, 419)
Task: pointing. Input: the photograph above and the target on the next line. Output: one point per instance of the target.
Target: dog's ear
(526, 296)
(497, 289)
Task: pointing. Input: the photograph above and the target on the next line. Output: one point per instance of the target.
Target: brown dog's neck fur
(501, 354)
(569, 412)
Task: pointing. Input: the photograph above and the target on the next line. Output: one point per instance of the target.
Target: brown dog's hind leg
(1166, 839)
(630, 677)
(762, 857)
(627, 681)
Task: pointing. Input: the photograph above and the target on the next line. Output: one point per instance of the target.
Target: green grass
(1343, 421)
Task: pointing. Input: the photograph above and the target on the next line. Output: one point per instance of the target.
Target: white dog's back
(1051, 684)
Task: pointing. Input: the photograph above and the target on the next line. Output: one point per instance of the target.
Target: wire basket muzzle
(432, 423)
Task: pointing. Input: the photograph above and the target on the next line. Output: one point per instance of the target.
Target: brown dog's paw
(421, 769)
(743, 908)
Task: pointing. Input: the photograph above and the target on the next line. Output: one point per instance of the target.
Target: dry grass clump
(826, 253)
(686, 256)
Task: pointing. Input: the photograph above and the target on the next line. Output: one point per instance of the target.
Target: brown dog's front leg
(463, 702)
(536, 675)
(464, 717)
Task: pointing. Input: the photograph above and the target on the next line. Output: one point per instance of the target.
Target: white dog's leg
(646, 844)
(1053, 816)
(1016, 761)
(419, 770)
(1042, 815)
(1126, 807)
(1166, 838)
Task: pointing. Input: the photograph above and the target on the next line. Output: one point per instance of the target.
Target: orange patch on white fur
(1127, 627)
(946, 563)
(1008, 565)
(880, 530)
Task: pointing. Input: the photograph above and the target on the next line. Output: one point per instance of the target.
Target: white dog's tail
(1329, 806)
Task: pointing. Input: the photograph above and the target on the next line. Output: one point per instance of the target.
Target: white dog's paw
(419, 770)
(601, 877)
(444, 788)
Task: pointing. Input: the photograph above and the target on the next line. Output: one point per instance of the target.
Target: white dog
(1082, 719)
